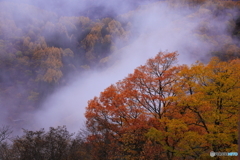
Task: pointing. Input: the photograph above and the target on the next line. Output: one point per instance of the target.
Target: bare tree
(5, 132)
(6, 153)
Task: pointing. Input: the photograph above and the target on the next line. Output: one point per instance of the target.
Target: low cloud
(159, 28)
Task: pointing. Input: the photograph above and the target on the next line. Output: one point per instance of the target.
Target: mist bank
(94, 9)
(195, 33)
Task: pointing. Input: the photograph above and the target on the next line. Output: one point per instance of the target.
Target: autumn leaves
(167, 111)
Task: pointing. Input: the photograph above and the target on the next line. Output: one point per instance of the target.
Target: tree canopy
(167, 111)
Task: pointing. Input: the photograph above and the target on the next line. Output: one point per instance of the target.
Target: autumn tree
(214, 100)
(124, 112)
(205, 115)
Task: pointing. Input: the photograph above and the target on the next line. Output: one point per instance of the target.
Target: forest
(167, 108)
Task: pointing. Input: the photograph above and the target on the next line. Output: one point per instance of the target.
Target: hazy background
(154, 27)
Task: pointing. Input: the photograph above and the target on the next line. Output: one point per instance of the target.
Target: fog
(90, 8)
(157, 27)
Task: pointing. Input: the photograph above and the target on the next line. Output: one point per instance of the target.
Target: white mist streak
(161, 29)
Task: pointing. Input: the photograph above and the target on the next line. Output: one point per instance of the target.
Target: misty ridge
(57, 55)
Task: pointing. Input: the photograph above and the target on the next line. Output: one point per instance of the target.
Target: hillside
(48, 48)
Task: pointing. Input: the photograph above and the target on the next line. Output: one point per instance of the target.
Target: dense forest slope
(40, 48)
(43, 46)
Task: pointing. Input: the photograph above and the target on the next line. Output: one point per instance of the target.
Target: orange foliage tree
(124, 112)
